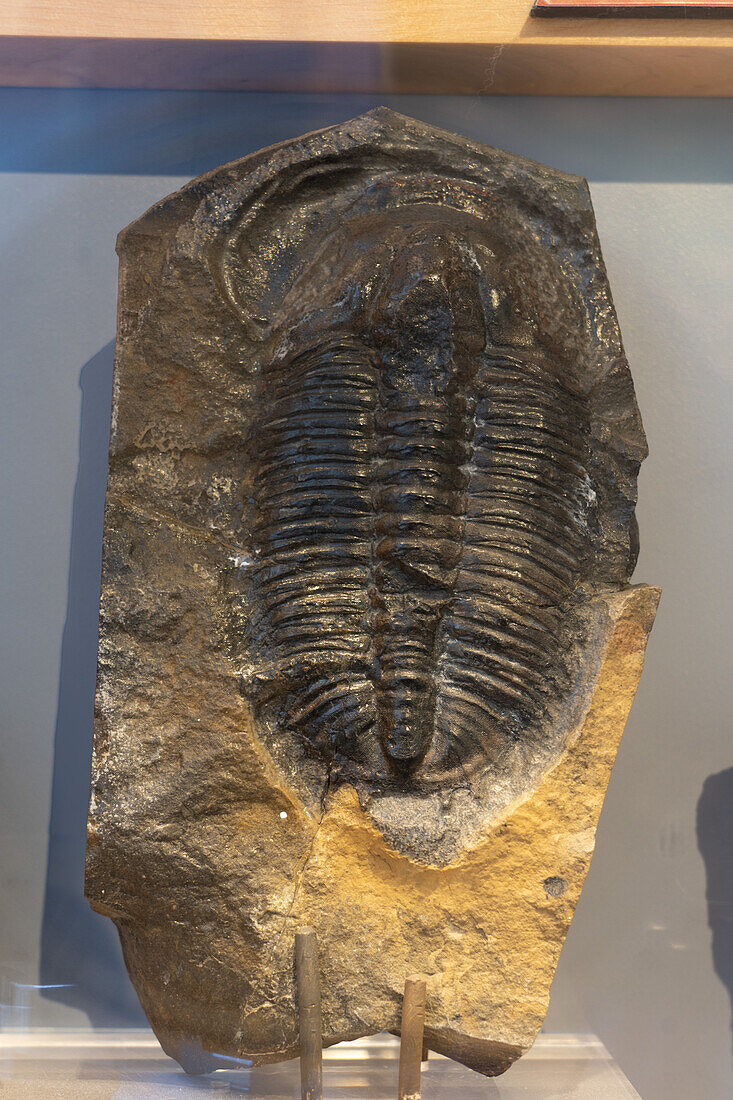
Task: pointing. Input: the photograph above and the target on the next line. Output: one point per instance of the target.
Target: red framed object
(671, 9)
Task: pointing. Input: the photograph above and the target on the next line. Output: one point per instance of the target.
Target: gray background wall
(648, 964)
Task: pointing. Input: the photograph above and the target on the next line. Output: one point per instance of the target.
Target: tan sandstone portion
(486, 931)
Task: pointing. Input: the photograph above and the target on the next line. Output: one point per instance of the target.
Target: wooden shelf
(450, 46)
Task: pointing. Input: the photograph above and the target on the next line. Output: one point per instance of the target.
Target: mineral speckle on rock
(367, 641)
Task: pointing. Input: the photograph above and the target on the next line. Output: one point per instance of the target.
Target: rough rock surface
(367, 641)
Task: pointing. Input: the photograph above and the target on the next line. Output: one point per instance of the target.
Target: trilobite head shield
(441, 459)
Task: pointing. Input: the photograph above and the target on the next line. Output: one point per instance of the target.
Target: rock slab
(367, 642)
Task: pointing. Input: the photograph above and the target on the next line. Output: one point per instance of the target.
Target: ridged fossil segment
(367, 549)
(421, 526)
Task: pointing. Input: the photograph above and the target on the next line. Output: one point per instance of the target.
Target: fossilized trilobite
(440, 472)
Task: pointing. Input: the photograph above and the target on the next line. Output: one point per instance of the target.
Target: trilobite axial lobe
(420, 493)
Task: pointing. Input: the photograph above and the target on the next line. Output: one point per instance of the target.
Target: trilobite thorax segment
(420, 496)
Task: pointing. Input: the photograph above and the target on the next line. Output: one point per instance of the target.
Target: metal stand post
(309, 1012)
(411, 1044)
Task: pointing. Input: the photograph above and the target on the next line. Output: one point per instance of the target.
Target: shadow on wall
(80, 951)
(715, 841)
(184, 133)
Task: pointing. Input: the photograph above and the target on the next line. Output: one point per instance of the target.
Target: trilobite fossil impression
(369, 533)
(440, 475)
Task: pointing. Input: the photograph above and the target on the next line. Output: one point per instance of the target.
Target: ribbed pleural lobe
(420, 492)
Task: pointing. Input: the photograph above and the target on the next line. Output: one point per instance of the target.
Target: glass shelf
(129, 1065)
